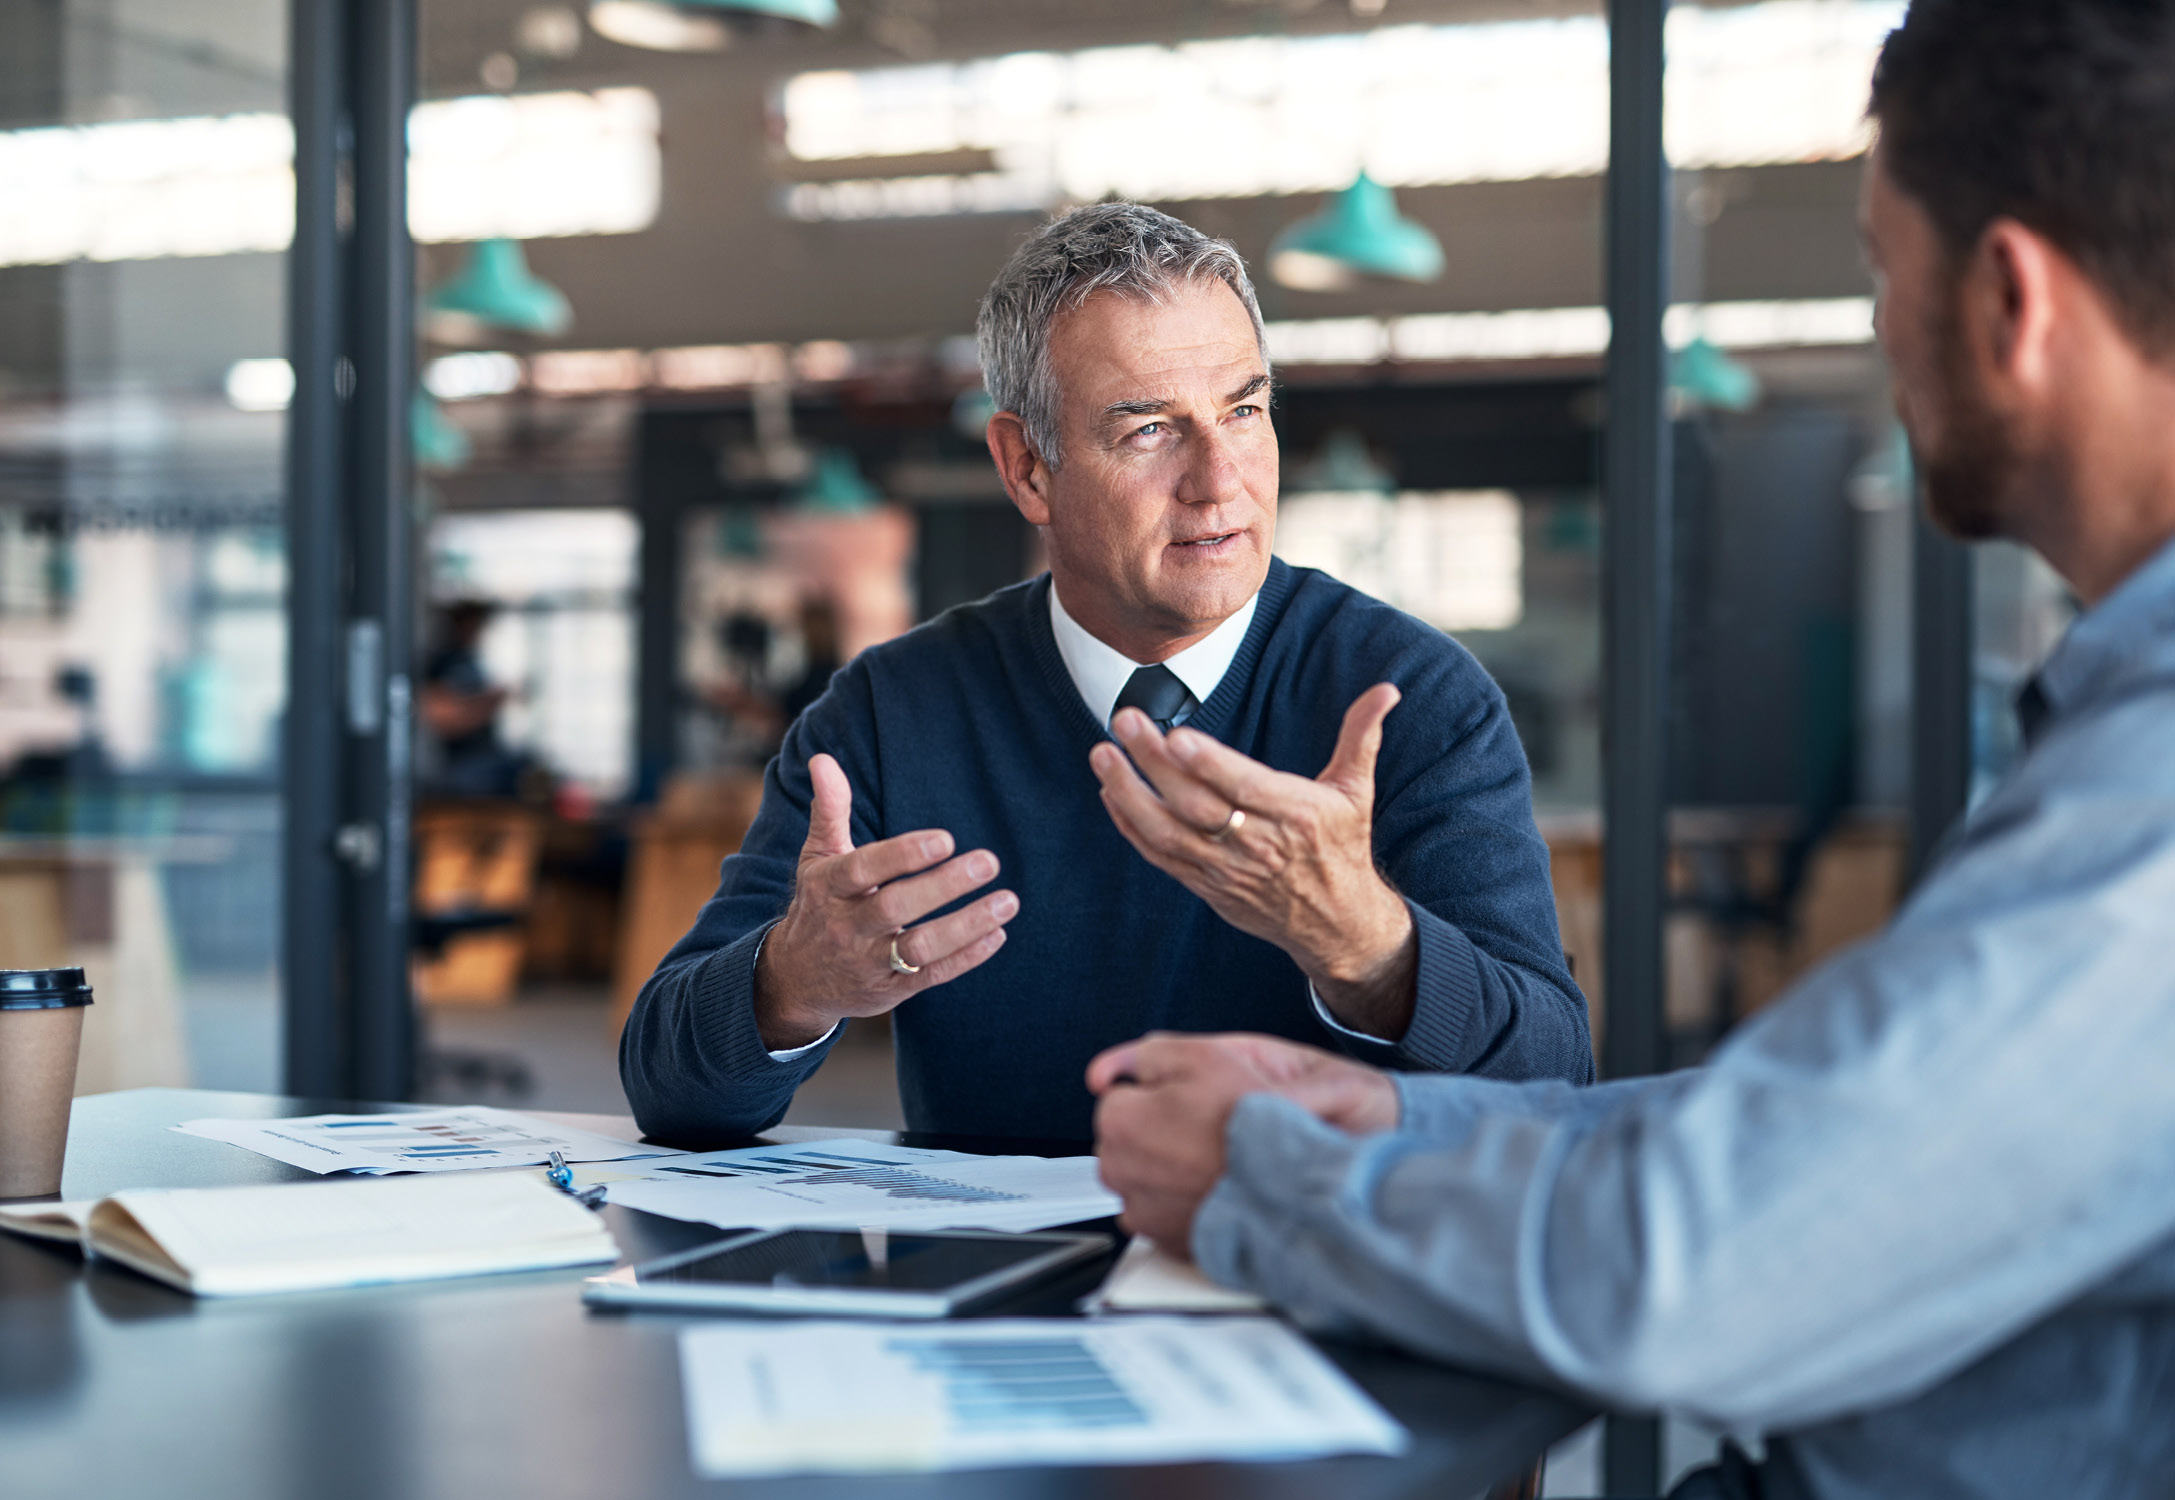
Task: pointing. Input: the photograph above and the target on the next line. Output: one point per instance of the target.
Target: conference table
(111, 1384)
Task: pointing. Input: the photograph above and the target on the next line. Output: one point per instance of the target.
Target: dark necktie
(1157, 692)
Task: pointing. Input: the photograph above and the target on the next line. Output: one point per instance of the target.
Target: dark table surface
(112, 1385)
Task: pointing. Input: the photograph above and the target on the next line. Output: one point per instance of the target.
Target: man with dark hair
(1285, 862)
(1915, 1224)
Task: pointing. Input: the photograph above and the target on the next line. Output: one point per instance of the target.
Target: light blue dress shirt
(1914, 1223)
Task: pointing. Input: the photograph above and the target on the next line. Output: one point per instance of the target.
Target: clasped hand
(1166, 1101)
(829, 957)
(1285, 858)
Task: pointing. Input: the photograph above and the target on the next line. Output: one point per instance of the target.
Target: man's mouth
(1214, 539)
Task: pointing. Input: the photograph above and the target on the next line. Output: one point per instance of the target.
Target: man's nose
(1214, 477)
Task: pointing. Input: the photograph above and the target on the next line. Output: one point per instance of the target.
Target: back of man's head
(2059, 114)
(1123, 248)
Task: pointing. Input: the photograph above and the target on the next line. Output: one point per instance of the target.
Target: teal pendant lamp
(698, 25)
(438, 444)
(1360, 233)
(836, 487)
(971, 411)
(1341, 466)
(807, 12)
(498, 290)
(1704, 376)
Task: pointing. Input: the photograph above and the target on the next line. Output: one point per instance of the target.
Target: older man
(1380, 889)
(1917, 1221)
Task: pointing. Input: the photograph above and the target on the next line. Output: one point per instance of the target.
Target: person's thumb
(1351, 768)
(830, 814)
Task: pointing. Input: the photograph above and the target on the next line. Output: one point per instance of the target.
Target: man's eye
(1246, 411)
(1150, 430)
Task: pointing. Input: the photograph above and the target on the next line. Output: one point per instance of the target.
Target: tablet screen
(869, 1258)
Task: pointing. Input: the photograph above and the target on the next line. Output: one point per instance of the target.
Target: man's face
(1160, 522)
(1962, 448)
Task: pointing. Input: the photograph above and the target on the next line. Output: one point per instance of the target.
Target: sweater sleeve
(691, 1058)
(1454, 835)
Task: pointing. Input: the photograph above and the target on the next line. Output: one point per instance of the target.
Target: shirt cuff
(1321, 1010)
(795, 1054)
(790, 1054)
(1283, 1166)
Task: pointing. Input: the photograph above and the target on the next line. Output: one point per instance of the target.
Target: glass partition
(145, 165)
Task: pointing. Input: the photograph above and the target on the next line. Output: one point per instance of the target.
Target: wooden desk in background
(672, 869)
(1851, 886)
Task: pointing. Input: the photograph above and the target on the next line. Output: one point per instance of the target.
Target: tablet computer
(870, 1273)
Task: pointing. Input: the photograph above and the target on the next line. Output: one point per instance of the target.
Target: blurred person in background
(460, 705)
(747, 698)
(1914, 1225)
(820, 658)
(1293, 860)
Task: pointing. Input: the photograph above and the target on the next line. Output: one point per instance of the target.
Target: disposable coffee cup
(41, 1029)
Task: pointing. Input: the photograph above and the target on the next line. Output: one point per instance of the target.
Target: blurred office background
(697, 416)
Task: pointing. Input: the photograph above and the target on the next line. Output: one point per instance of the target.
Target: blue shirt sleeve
(1933, 1143)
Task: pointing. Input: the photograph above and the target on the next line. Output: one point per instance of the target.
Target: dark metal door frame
(1635, 601)
(344, 964)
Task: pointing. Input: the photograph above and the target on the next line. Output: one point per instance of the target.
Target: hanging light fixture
(1341, 466)
(806, 12)
(836, 486)
(698, 25)
(1360, 233)
(971, 411)
(1704, 376)
(497, 290)
(438, 444)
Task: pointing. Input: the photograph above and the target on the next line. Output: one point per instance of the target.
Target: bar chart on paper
(437, 1140)
(1014, 1385)
(853, 1398)
(861, 1184)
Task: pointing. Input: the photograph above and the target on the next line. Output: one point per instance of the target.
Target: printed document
(828, 1397)
(1146, 1280)
(430, 1140)
(853, 1184)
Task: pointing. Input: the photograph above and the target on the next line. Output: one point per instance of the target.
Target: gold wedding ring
(898, 964)
(1231, 825)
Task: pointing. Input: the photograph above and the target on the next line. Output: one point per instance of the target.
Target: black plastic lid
(43, 989)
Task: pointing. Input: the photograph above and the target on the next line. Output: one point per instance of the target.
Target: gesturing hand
(1166, 1101)
(830, 956)
(1276, 855)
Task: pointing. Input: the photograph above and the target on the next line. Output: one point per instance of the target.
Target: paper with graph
(860, 1398)
(429, 1140)
(851, 1184)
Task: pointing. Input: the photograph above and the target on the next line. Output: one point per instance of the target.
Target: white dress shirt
(1101, 671)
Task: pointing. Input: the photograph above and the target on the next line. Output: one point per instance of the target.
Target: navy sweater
(971, 723)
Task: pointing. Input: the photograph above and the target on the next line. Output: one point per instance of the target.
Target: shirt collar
(2129, 635)
(1100, 671)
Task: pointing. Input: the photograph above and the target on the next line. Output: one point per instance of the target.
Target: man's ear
(2014, 292)
(1026, 477)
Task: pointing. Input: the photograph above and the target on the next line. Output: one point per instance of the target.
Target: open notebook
(239, 1241)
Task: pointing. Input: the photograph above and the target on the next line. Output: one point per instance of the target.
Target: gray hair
(1126, 248)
